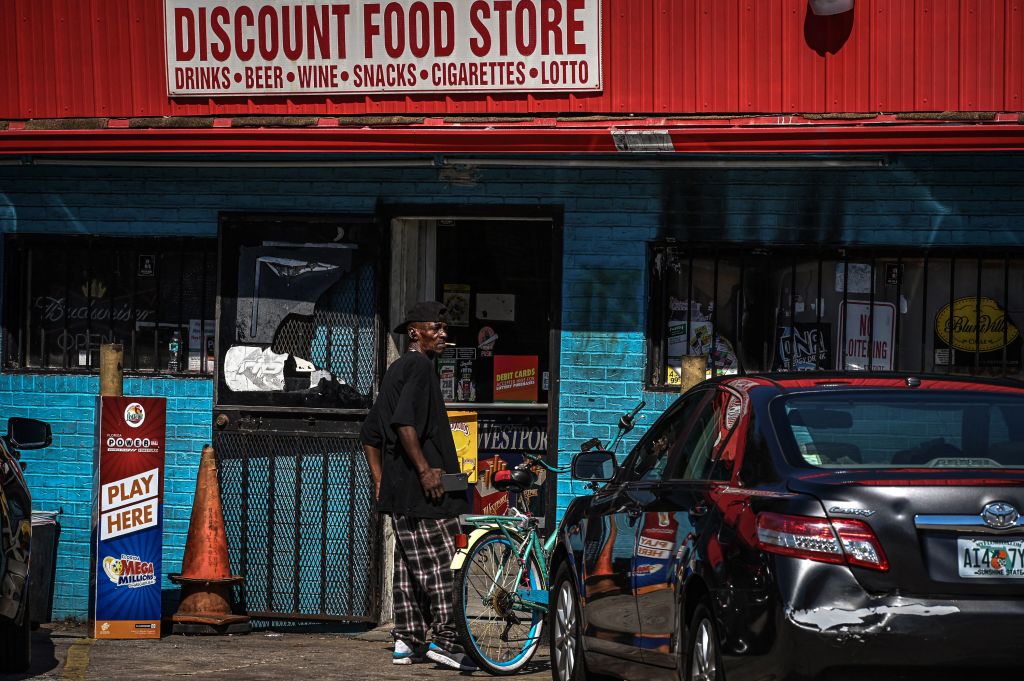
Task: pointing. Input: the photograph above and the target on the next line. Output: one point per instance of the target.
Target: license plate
(985, 558)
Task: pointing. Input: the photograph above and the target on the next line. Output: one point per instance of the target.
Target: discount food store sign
(276, 47)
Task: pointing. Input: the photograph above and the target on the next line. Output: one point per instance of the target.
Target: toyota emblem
(1000, 515)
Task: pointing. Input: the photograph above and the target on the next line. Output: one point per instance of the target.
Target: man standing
(408, 444)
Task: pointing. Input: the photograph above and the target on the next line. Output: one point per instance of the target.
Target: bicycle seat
(514, 480)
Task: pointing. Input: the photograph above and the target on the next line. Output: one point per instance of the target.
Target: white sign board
(280, 47)
(865, 329)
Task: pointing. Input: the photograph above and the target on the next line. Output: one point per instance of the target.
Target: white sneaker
(405, 655)
(452, 656)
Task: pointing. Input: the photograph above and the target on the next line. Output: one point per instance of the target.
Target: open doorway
(499, 279)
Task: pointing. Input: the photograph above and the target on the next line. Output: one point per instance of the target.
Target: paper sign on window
(515, 378)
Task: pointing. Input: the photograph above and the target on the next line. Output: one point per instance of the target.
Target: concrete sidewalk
(63, 652)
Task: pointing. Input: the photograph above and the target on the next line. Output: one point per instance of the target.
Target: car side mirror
(25, 433)
(596, 465)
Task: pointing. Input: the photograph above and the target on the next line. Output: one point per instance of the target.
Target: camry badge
(863, 512)
(1000, 515)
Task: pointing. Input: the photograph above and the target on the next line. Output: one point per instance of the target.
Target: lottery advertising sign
(272, 47)
(128, 523)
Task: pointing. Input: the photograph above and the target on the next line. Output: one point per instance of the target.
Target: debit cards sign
(128, 517)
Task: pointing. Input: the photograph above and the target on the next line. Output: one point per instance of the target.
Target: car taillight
(860, 544)
(840, 541)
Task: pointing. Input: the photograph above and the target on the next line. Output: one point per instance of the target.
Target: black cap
(424, 311)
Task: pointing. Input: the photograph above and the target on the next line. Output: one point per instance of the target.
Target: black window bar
(68, 294)
(866, 277)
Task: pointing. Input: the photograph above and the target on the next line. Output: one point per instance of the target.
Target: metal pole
(111, 369)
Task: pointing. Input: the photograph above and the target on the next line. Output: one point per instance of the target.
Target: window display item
(465, 387)
(691, 332)
(516, 378)
(464, 433)
(496, 307)
(199, 332)
(860, 277)
(248, 368)
(803, 347)
(486, 339)
(456, 299)
(503, 439)
(275, 280)
(174, 350)
(446, 370)
(978, 330)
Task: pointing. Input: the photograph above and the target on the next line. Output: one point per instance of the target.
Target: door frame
(388, 213)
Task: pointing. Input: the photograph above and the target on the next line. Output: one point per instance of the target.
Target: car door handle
(698, 510)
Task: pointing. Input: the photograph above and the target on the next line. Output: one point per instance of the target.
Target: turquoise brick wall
(610, 214)
(61, 476)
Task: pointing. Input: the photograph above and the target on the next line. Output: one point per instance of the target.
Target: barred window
(804, 309)
(67, 295)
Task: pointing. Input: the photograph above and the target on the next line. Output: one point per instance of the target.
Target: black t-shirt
(410, 395)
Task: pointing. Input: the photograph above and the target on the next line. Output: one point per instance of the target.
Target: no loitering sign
(274, 47)
(867, 333)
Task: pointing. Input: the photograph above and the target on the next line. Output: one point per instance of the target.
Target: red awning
(763, 135)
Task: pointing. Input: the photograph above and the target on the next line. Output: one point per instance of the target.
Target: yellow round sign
(977, 324)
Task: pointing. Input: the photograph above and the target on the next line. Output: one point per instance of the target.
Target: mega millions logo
(129, 571)
(134, 415)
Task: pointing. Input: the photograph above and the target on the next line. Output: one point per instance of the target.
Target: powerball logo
(134, 415)
(129, 571)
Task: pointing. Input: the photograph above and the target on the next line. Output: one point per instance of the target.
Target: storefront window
(299, 310)
(804, 310)
(68, 295)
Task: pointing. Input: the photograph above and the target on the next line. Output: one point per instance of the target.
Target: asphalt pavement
(61, 651)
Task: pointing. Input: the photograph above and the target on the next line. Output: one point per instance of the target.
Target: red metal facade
(104, 58)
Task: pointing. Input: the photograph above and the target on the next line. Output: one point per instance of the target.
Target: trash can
(43, 565)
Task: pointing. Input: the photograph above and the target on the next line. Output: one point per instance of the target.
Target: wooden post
(111, 371)
(694, 370)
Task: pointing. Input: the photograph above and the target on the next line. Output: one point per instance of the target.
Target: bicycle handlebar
(636, 409)
(626, 424)
(536, 459)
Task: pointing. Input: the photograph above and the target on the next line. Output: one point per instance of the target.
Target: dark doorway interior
(498, 258)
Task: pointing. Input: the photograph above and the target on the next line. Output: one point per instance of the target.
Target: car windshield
(877, 429)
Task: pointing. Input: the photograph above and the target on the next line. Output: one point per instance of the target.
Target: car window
(873, 429)
(648, 460)
(693, 454)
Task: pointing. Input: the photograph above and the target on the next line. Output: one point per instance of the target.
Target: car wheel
(16, 644)
(703, 659)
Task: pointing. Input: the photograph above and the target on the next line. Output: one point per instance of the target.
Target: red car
(798, 527)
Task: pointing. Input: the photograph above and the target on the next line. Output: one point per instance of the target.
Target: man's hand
(430, 479)
(373, 459)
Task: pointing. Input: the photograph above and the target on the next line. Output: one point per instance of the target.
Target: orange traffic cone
(205, 576)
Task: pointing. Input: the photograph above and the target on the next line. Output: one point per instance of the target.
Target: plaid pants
(424, 590)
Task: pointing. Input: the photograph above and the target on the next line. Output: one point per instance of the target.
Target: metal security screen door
(299, 360)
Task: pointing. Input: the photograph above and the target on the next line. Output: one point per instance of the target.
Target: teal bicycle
(501, 570)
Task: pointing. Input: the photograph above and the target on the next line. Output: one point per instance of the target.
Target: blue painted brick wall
(610, 215)
(61, 476)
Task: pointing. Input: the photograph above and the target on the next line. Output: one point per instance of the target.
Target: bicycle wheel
(496, 632)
